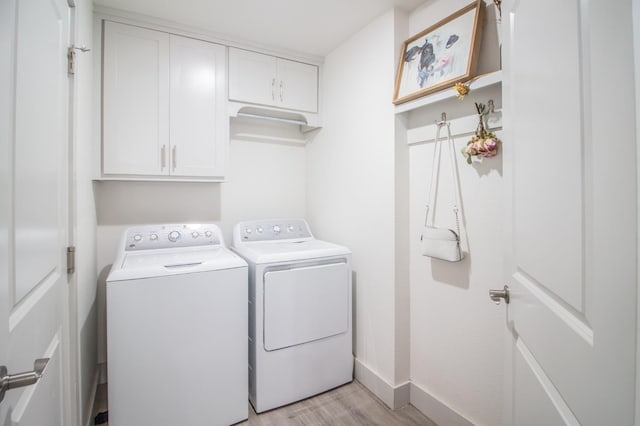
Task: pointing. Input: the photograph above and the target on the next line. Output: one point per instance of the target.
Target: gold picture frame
(440, 56)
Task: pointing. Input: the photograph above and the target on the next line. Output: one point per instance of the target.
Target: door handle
(14, 381)
(496, 295)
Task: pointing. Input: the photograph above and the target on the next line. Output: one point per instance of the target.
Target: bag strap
(435, 169)
(436, 154)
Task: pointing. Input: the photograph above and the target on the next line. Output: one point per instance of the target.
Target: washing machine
(176, 329)
(300, 322)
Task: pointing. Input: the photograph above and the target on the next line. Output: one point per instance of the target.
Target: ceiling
(312, 27)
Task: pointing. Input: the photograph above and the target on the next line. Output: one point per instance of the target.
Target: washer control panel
(167, 236)
(268, 230)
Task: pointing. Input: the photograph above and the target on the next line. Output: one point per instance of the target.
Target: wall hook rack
(490, 107)
(485, 109)
(443, 119)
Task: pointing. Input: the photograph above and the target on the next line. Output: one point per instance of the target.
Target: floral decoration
(462, 89)
(483, 144)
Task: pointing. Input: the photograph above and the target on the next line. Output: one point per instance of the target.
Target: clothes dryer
(300, 321)
(176, 329)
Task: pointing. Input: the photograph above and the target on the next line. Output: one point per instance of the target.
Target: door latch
(496, 295)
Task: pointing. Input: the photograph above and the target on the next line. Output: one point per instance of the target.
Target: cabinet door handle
(163, 157)
(174, 160)
(281, 90)
(273, 89)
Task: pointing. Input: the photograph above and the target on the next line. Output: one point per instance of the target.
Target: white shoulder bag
(438, 242)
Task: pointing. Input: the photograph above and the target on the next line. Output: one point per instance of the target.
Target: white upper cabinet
(164, 106)
(135, 100)
(266, 80)
(198, 123)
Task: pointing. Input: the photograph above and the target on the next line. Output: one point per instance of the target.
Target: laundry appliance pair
(178, 319)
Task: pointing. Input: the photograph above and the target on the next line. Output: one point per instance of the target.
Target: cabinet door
(252, 77)
(135, 101)
(198, 126)
(297, 85)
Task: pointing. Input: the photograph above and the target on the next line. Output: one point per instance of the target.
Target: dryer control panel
(270, 230)
(150, 237)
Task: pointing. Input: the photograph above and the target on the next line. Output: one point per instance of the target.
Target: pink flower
(486, 147)
(481, 147)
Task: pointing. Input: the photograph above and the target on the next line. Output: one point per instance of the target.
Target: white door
(570, 170)
(34, 36)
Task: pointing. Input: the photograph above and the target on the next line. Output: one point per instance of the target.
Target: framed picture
(440, 56)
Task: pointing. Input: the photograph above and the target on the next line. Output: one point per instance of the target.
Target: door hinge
(71, 260)
(71, 58)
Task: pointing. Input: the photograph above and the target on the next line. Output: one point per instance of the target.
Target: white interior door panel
(571, 207)
(34, 207)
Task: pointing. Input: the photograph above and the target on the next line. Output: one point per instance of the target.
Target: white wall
(366, 190)
(83, 210)
(264, 180)
(456, 332)
(351, 182)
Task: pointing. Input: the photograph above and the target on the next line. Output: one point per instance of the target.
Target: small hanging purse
(438, 242)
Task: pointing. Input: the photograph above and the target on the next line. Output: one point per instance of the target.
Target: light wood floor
(348, 405)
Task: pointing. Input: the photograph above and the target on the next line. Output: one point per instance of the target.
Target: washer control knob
(259, 229)
(174, 236)
(291, 228)
(208, 234)
(247, 230)
(195, 234)
(137, 238)
(153, 237)
(276, 229)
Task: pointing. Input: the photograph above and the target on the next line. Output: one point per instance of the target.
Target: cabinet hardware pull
(174, 160)
(273, 89)
(281, 90)
(163, 157)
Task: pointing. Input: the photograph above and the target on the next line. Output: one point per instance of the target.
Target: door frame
(74, 402)
(635, 6)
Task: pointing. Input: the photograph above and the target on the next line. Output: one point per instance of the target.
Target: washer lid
(155, 263)
(283, 251)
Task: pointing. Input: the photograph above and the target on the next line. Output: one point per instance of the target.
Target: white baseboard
(435, 409)
(397, 396)
(393, 396)
(91, 401)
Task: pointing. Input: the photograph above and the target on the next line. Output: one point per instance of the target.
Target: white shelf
(258, 137)
(158, 179)
(481, 81)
